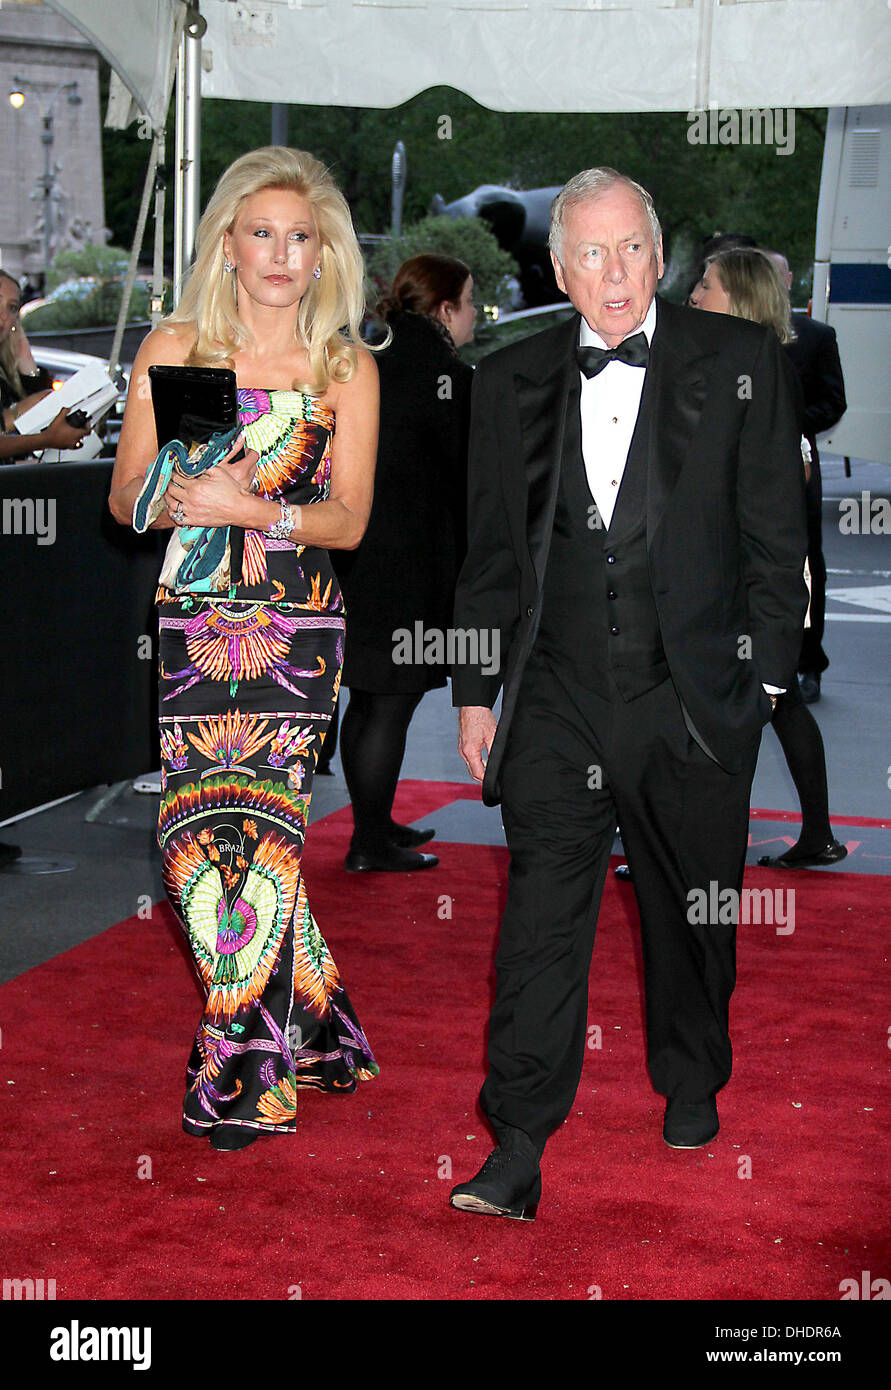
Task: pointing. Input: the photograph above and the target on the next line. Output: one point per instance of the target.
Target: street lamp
(47, 137)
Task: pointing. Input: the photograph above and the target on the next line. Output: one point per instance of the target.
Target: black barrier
(79, 634)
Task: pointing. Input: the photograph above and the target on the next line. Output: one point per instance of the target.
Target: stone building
(40, 47)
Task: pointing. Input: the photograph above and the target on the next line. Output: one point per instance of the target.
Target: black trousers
(575, 765)
(813, 657)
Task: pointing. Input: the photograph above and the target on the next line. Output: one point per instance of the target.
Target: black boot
(509, 1182)
(405, 838)
(391, 860)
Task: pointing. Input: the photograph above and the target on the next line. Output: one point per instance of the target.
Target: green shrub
(97, 262)
(84, 291)
(466, 238)
(95, 306)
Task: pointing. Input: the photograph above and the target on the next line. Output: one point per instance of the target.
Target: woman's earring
(228, 266)
(317, 273)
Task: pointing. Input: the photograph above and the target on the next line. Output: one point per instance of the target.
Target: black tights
(802, 743)
(372, 746)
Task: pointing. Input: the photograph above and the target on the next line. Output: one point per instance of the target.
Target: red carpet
(104, 1193)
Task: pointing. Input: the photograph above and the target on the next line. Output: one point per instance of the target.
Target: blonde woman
(249, 676)
(743, 282)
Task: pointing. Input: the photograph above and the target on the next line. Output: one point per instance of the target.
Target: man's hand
(476, 730)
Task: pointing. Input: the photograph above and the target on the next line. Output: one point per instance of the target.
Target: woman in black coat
(400, 582)
(745, 282)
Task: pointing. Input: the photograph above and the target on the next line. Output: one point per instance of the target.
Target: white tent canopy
(511, 55)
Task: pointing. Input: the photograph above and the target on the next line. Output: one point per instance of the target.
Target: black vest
(598, 613)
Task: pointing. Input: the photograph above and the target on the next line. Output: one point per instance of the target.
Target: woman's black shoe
(230, 1137)
(792, 859)
(389, 861)
(405, 838)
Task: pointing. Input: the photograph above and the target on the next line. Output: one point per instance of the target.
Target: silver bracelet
(280, 530)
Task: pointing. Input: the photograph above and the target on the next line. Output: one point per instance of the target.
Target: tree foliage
(465, 238)
(453, 145)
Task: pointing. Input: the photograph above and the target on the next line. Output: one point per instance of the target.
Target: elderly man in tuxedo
(637, 539)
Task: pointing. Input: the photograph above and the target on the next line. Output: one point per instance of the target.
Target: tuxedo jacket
(726, 531)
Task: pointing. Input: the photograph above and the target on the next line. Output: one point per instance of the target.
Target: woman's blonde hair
(331, 310)
(755, 288)
(9, 367)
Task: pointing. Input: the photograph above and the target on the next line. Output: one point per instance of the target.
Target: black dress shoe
(809, 685)
(389, 861)
(9, 854)
(623, 872)
(689, 1125)
(227, 1138)
(405, 838)
(794, 859)
(508, 1184)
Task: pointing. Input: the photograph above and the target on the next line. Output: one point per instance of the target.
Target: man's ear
(558, 273)
(659, 261)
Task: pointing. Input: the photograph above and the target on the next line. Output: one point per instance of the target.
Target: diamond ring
(179, 515)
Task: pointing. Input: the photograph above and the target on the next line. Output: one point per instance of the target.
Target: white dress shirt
(609, 407)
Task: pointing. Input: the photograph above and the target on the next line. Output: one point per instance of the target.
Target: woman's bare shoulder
(167, 345)
(362, 385)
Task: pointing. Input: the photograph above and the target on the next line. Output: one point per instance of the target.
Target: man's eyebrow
(639, 235)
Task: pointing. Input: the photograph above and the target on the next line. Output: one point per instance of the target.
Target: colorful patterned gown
(247, 689)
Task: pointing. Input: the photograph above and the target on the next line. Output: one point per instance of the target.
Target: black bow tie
(634, 350)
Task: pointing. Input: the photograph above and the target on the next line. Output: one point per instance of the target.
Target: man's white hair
(590, 183)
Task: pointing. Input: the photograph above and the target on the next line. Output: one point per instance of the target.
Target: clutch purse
(198, 558)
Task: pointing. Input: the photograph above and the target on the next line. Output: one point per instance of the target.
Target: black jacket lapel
(542, 404)
(673, 397)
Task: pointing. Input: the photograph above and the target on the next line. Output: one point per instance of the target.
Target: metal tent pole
(188, 149)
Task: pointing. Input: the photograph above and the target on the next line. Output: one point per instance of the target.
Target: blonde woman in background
(249, 676)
